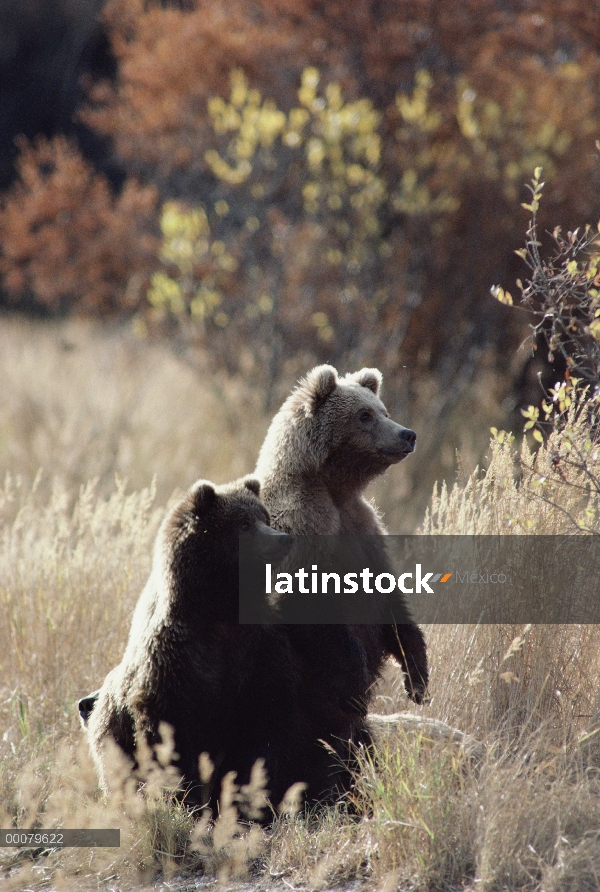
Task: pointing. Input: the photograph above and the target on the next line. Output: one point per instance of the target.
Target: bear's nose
(408, 436)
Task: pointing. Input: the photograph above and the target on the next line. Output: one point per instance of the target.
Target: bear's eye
(365, 417)
(246, 526)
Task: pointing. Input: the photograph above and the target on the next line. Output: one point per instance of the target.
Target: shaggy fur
(225, 689)
(295, 696)
(331, 437)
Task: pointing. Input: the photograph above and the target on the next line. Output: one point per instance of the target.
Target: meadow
(98, 432)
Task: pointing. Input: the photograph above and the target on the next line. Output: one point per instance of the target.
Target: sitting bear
(225, 689)
(331, 437)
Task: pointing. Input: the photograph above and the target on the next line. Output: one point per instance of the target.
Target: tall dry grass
(524, 813)
(85, 403)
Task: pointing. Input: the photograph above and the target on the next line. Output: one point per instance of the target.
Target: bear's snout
(396, 442)
(408, 438)
(272, 544)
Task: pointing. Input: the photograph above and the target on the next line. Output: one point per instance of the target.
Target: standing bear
(226, 690)
(331, 437)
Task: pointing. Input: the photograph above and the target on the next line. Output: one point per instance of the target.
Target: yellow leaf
(504, 297)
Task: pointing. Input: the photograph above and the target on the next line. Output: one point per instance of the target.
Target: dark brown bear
(331, 437)
(225, 689)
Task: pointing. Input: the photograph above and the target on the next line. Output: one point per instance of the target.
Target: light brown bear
(331, 437)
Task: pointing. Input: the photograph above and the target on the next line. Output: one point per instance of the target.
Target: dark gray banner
(429, 579)
(60, 838)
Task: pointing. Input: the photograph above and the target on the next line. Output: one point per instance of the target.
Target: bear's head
(214, 517)
(337, 427)
(200, 543)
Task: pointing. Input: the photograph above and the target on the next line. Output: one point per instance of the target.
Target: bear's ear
(253, 485)
(371, 378)
(204, 496)
(317, 386)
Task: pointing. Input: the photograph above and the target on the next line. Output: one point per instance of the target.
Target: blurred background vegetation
(199, 201)
(265, 185)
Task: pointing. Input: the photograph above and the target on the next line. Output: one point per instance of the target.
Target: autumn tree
(67, 242)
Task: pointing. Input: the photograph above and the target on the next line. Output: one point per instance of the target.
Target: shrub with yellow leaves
(217, 272)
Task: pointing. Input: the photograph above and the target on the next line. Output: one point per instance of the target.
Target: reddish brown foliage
(67, 241)
(171, 60)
